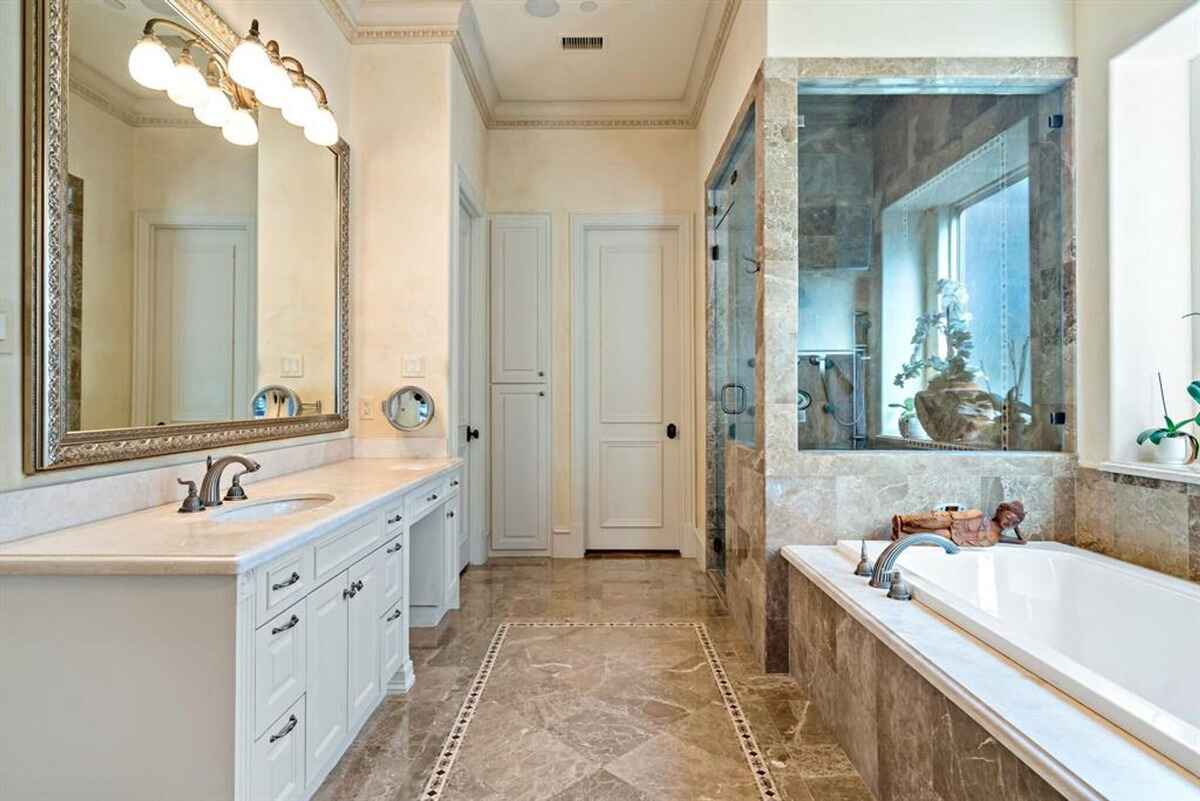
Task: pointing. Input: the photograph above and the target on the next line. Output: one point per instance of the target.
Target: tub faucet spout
(886, 563)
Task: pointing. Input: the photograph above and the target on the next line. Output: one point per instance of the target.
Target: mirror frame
(49, 445)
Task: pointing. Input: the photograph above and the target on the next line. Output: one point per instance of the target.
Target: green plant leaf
(1145, 435)
(1193, 389)
(1158, 436)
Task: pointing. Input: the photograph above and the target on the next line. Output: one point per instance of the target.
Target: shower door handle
(740, 405)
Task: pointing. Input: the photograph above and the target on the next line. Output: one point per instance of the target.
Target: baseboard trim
(402, 682)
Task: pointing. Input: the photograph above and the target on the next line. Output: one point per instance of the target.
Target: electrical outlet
(366, 408)
(413, 367)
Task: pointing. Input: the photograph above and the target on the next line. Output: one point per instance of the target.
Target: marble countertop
(1080, 753)
(161, 541)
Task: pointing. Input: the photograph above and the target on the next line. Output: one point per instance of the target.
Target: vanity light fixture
(254, 75)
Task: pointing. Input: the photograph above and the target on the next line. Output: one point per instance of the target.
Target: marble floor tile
(592, 713)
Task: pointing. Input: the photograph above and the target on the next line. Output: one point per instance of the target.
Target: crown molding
(108, 97)
(453, 22)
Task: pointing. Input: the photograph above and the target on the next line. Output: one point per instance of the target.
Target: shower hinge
(1058, 418)
(1055, 121)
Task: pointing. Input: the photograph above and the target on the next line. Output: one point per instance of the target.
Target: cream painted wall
(922, 28)
(468, 135)
(100, 151)
(306, 31)
(401, 129)
(579, 171)
(1103, 29)
(297, 258)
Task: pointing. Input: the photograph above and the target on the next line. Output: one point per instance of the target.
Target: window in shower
(930, 272)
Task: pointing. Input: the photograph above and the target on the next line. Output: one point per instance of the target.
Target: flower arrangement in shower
(953, 321)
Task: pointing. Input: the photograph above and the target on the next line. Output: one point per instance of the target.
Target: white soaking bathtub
(1121, 640)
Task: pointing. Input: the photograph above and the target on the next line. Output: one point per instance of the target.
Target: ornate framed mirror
(176, 267)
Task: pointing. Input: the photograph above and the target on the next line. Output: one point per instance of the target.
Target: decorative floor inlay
(627, 711)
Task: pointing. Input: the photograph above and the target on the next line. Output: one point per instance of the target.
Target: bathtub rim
(1171, 736)
(1070, 746)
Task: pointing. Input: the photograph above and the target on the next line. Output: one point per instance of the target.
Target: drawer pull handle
(286, 730)
(395, 519)
(454, 483)
(399, 546)
(291, 624)
(290, 581)
(393, 616)
(449, 514)
(358, 585)
(349, 593)
(432, 497)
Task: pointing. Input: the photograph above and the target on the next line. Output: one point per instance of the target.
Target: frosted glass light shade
(300, 105)
(274, 86)
(240, 128)
(249, 62)
(187, 84)
(150, 64)
(213, 108)
(322, 128)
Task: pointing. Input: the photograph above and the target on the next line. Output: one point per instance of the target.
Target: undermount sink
(257, 511)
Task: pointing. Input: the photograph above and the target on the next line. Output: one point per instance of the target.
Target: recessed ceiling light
(541, 8)
(588, 6)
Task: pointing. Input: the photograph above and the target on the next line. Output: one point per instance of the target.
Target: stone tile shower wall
(818, 497)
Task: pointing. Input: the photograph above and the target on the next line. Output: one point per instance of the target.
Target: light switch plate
(366, 408)
(291, 365)
(413, 367)
(8, 327)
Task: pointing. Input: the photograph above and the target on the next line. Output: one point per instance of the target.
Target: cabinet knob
(454, 483)
(449, 514)
(432, 497)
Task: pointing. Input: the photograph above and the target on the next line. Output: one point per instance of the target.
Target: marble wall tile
(907, 740)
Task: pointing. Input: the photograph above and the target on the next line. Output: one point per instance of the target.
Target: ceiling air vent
(583, 43)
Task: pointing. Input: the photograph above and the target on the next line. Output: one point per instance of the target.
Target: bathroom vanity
(229, 654)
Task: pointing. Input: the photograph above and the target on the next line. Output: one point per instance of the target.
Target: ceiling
(649, 49)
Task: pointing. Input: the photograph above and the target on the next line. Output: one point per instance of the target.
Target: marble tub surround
(1150, 522)
(161, 541)
(52, 506)
(884, 670)
(662, 703)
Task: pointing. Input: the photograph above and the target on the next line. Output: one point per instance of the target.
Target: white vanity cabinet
(247, 687)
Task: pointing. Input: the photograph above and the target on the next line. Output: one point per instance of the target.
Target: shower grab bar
(741, 405)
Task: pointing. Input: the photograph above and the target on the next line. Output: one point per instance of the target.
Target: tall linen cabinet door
(520, 298)
(328, 687)
(520, 467)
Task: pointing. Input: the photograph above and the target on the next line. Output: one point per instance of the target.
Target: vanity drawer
(391, 651)
(284, 581)
(392, 585)
(335, 551)
(279, 665)
(425, 497)
(393, 518)
(279, 758)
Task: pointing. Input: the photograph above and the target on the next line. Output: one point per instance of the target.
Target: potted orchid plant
(1170, 443)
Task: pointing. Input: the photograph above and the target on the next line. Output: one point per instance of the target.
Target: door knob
(672, 431)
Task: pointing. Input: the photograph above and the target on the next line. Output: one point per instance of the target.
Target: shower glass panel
(930, 272)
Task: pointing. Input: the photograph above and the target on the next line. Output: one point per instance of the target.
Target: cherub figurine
(966, 527)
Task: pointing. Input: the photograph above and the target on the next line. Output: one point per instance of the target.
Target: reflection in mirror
(199, 271)
(408, 408)
(278, 401)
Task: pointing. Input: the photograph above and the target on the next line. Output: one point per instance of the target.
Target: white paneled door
(634, 388)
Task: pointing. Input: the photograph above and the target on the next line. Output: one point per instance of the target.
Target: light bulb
(213, 108)
(299, 106)
(274, 86)
(187, 84)
(248, 62)
(322, 128)
(240, 128)
(150, 64)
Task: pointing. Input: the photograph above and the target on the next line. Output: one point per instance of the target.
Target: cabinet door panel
(392, 637)
(366, 581)
(392, 581)
(520, 468)
(520, 298)
(328, 690)
(280, 657)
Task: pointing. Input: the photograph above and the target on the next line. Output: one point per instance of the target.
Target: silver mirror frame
(387, 404)
(49, 444)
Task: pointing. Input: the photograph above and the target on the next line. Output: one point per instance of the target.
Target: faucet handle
(192, 502)
(899, 590)
(236, 493)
